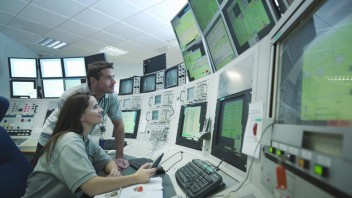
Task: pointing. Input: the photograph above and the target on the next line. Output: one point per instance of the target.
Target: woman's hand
(143, 174)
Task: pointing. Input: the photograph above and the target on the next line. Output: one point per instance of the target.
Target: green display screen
(191, 122)
(129, 120)
(204, 10)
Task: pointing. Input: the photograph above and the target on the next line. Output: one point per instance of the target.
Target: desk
(168, 188)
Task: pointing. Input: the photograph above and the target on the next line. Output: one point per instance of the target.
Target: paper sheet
(153, 189)
(250, 141)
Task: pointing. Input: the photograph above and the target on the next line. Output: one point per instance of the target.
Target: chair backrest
(14, 167)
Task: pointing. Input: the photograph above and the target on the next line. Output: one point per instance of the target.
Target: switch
(303, 163)
(272, 150)
(291, 158)
(321, 170)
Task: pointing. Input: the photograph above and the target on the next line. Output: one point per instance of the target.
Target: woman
(70, 161)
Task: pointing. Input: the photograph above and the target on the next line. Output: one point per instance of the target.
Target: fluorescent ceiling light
(113, 51)
(52, 43)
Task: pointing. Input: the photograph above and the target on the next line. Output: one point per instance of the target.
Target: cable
(175, 162)
(171, 156)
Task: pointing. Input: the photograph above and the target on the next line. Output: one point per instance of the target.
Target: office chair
(14, 167)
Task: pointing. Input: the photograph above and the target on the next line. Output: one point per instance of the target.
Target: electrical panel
(136, 85)
(182, 74)
(159, 80)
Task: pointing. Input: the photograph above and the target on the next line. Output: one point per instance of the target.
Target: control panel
(159, 80)
(136, 84)
(182, 74)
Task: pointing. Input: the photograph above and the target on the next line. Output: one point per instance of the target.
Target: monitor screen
(155, 115)
(148, 83)
(185, 27)
(219, 44)
(53, 88)
(131, 122)
(23, 88)
(190, 93)
(248, 22)
(126, 86)
(204, 11)
(157, 100)
(50, 68)
(23, 67)
(196, 61)
(190, 123)
(69, 83)
(154, 64)
(314, 70)
(171, 77)
(74, 67)
(230, 123)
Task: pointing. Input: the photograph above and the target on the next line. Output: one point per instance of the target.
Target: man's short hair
(94, 69)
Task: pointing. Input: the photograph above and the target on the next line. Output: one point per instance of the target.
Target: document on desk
(153, 189)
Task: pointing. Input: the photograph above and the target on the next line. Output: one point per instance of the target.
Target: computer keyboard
(198, 178)
(138, 162)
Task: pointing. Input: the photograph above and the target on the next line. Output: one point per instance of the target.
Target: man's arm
(119, 132)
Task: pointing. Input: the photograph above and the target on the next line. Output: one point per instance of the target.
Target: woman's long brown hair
(68, 120)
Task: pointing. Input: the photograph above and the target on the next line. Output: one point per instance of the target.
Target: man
(100, 77)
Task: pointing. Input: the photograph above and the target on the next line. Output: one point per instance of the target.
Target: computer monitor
(23, 88)
(219, 44)
(155, 115)
(72, 82)
(94, 58)
(154, 64)
(314, 69)
(192, 117)
(50, 68)
(204, 11)
(148, 83)
(74, 67)
(53, 88)
(230, 123)
(157, 100)
(171, 77)
(131, 122)
(185, 27)
(248, 21)
(126, 86)
(22, 67)
(196, 61)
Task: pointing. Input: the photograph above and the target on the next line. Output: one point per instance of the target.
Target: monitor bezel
(64, 67)
(165, 78)
(40, 68)
(143, 79)
(22, 77)
(131, 80)
(22, 80)
(43, 87)
(135, 131)
(238, 160)
(182, 141)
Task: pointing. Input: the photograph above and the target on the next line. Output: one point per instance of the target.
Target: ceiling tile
(67, 8)
(35, 13)
(165, 33)
(21, 35)
(143, 4)
(144, 21)
(119, 10)
(94, 19)
(29, 26)
(78, 28)
(62, 35)
(163, 11)
(86, 2)
(88, 43)
(12, 6)
(123, 30)
(106, 38)
(148, 41)
(131, 47)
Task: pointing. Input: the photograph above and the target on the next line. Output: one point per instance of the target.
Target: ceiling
(140, 27)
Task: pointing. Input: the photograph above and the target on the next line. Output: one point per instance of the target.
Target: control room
(176, 98)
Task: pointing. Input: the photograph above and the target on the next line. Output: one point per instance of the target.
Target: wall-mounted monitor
(190, 124)
(94, 58)
(155, 115)
(131, 122)
(219, 44)
(230, 123)
(171, 77)
(204, 11)
(248, 21)
(154, 64)
(126, 86)
(50, 68)
(23, 88)
(22, 67)
(53, 88)
(196, 61)
(185, 27)
(157, 100)
(148, 83)
(72, 82)
(74, 67)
